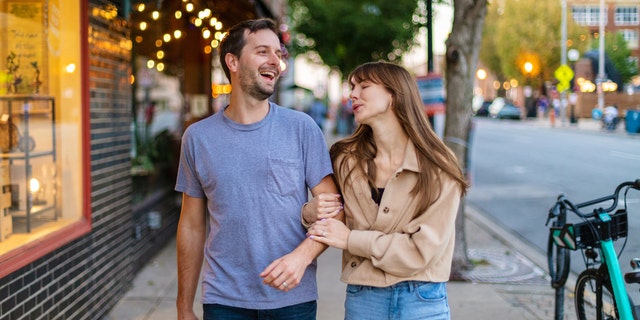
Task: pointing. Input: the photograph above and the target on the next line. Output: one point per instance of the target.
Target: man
(245, 172)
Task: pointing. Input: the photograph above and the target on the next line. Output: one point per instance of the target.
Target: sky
(442, 24)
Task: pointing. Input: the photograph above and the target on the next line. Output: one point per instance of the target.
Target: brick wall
(587, 101)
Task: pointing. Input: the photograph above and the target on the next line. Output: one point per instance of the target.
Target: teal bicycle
(600, 289)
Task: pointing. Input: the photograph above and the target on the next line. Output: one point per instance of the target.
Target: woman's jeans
(302, 311)
(402, 301)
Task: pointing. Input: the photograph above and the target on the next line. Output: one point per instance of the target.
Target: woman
(401, 188)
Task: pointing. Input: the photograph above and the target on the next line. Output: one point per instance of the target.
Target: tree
(463, 46)
(616, 50)
(346, 34)
(488, 55)
(528, 31)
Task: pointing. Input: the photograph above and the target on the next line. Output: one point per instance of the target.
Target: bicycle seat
(632, 277)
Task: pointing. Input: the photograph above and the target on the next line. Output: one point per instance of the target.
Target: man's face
(259, 63)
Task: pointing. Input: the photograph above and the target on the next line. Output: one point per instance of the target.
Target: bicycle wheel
(558, 259)
(593, 296)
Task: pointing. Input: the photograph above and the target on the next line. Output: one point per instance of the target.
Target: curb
(509, 239)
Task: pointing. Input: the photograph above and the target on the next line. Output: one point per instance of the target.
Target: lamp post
(529, 100)
(563, 60)
(573, 56)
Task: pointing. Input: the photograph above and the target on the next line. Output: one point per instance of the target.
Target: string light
(187, 15)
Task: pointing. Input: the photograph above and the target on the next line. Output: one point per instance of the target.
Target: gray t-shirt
(255, 178)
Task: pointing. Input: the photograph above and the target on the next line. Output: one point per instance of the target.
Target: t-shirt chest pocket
(284, 176)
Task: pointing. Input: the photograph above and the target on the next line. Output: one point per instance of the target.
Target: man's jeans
(402, 301)
(303, 311)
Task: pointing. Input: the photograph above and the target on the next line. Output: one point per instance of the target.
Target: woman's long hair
(434, 157)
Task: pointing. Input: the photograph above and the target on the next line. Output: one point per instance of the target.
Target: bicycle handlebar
(562, 203)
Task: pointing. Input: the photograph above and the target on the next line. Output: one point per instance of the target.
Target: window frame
(30, 252)
(627, 16)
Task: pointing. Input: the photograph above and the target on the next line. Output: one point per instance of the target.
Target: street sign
(431, 89)
(563, 73)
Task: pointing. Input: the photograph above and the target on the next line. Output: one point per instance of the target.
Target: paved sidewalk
(509, 281)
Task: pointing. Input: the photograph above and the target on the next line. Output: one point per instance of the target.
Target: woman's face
(370, 101)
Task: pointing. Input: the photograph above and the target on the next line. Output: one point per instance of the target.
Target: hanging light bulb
(34, 185)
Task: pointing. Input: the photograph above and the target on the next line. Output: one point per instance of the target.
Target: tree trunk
(463, 46)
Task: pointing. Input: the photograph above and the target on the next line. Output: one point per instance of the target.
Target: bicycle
(600, 289)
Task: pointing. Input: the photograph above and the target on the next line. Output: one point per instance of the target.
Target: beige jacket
(387, 243)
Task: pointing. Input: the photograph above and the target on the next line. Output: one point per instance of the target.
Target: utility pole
(563, 61)
(601, 75)
(429, 36)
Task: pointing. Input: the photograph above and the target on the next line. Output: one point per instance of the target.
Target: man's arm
(190, 240)
(290, 268)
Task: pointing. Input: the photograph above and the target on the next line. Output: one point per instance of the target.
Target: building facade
(89, 142)
(621, 16)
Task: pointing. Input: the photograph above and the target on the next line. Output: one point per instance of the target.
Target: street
(519, 168)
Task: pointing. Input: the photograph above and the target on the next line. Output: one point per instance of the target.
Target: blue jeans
(302, 311)
(402, 301)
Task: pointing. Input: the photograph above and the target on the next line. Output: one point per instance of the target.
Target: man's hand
(285, 273)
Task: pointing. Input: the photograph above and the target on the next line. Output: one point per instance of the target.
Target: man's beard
(254, 86)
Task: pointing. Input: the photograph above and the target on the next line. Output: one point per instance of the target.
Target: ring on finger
(284, 284)
(324, 233)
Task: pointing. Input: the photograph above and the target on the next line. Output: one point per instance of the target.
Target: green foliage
(527, 31)
(346, 34)
(157, 153)
(615, 47)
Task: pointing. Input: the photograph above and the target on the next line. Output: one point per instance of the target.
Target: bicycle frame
(600, 236)
(617, 280)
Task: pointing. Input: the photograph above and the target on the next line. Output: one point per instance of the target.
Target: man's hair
(235, 40)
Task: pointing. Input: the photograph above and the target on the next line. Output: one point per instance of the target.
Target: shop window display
(40, 121)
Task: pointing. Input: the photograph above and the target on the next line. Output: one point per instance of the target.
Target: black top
(379, 195)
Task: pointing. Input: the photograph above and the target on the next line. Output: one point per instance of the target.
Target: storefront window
(41, 103)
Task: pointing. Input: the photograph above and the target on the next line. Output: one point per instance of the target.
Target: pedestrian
(245, 173)
(610, 117)
(401, 188)
(318, 111)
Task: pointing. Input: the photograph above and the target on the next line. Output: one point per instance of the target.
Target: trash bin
(632, 121)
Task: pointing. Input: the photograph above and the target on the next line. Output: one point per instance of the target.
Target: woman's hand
(322, 206)
(331, 232)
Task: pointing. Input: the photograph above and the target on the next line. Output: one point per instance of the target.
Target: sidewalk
(509, 281)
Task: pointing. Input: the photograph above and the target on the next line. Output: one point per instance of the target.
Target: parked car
(483, 111)
(509, 111)
(500, 108)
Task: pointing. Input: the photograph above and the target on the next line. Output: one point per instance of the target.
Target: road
(519, 168)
